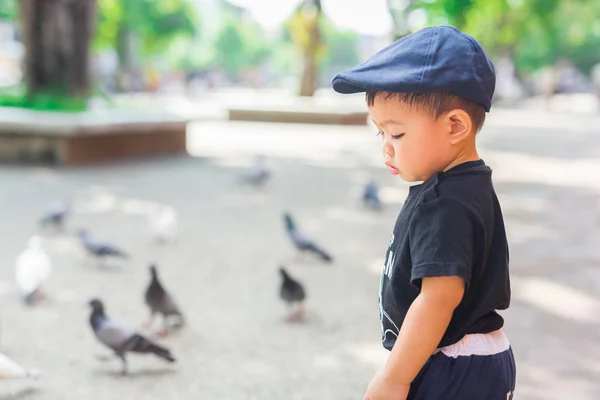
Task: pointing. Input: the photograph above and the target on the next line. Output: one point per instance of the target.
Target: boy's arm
(442, 237)
(423, 327)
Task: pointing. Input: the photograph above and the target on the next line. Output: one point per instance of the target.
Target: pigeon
(163, 224)
(99, 249)
(120, 339)
(371, 196)
(33, 268)
(258, 175)
(11, 370)
(292, 292)
(56, 215)
(302, 242)
(160, 302)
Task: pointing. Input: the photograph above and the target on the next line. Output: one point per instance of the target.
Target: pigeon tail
(30, 298)
(139, 344)
(121, 254)
(320, 252)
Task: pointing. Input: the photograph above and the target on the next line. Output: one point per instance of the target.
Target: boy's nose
(388, 149)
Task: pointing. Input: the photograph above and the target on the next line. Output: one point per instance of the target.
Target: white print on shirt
(387, 271)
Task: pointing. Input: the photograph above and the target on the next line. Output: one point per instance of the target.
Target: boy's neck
(463, 157)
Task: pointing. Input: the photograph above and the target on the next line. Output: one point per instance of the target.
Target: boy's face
(415, 145)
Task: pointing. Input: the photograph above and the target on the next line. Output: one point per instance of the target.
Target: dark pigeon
(160, 302)
(99, 249)
(371, 196)
(293, 293)
(302, 242)
(55, 216)
(120, 339)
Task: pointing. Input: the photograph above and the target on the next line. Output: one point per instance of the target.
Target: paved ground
(223, 269)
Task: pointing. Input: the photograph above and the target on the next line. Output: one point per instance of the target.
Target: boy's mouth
(393, 170)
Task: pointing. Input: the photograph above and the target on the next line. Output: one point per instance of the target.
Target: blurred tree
(240, 43)
(305, 31)
(141, 28)
(399, 10)
(8, 9)
(450, 12)
(526, 31)
(230, 48)
(341, 51)
(57, 37)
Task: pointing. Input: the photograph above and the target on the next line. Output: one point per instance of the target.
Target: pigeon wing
(113, 334)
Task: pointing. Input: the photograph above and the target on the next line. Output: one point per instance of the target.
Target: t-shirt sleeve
(442, 237)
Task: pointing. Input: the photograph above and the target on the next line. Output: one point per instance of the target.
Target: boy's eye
(380, 133)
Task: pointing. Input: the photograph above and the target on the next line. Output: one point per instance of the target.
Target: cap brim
(344, 86)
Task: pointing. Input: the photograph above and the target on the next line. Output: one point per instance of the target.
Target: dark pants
(473, 377)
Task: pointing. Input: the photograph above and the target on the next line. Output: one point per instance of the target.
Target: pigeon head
(283, 272)
(97, 306)
(153, 270)
(289, 222)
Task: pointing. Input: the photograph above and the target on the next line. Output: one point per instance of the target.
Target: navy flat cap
(439, 58)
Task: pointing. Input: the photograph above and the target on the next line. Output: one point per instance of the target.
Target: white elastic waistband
(477, 344)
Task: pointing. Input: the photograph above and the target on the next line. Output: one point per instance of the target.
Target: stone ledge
(298, 116)
(334, 110)
(90, 137)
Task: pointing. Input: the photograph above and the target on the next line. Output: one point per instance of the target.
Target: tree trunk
(57, 36)
(399, 18)
(130, 75)
(308, 84)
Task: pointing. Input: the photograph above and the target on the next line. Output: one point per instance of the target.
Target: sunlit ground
(223, 268)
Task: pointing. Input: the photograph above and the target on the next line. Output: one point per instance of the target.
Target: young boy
(446, 268)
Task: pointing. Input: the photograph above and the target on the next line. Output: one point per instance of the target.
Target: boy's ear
(459, 125)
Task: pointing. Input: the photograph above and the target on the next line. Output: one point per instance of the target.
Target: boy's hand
(383, 387)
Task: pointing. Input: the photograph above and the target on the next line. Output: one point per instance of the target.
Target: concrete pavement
(223, 269)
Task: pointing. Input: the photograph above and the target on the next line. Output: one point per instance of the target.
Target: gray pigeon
(258, 175)
(160, 302)
(302, 242)
(292, 292)
(99, 249)
(120, 339)
(371, 196)
(56, 215)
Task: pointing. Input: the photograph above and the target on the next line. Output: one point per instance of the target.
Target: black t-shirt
(450, 225)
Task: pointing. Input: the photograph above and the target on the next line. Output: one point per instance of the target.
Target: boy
(446, 269)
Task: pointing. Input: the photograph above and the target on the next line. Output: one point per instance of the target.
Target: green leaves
(534, 32)
(155, 22)
(8, 10)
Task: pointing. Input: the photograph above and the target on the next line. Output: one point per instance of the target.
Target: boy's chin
(408, 178)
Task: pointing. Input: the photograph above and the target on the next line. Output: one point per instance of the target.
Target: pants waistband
(477, 344)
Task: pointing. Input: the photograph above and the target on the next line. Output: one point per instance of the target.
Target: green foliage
(240, 43)
(534, 33)
(42, 101)
(341, 48)
(8, 9)
(163, 20)
(156, 22)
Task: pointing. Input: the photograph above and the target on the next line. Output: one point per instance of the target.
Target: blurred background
(179, 133)
(190, 47)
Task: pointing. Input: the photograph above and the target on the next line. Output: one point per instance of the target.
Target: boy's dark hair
(437, 103)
